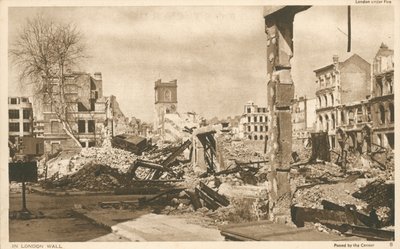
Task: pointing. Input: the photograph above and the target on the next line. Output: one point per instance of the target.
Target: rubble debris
(93, 177)
(195, 199)
(368, 233)
(132, 143)
(379, 195)
(176, 153)
(209, 145)
(146, 164)
(172, 191)
(320, 147)
(171, 158)
(269, 231)
(301, 215)
(214, 195)
(209, 202)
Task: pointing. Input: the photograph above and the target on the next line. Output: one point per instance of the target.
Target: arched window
(382, 114)
(326, 100)
(261, 119)
(167, 95)
(351, 117)
(255, 137)
(261, 137)
(359, 114)
(368, 113)
(391, 112)
(333, 121)
(320, 123)
(327, 122)
(250, 137)
(319, 102)
(379, 87)
(390, 85)
(343, 117)
(332, 99)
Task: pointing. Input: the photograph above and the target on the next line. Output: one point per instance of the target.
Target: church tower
(166, 101)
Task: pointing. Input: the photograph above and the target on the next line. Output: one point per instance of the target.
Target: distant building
(338, 85)
(303, 117)
(254, 122)
(20, 118)
(382, 98)
(166, 102)
(23, 142)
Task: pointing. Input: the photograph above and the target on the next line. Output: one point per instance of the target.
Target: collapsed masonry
(212, 173)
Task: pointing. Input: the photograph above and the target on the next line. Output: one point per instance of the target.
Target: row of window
(258, 128)
(350, 119)
(14, 127)
(14, 114)
(88, 144)
(261, 109)
(15, 101)
(384, 86)
(326, 81)
(90, 127)
(255, 119)
(255, 137)
(326, 100)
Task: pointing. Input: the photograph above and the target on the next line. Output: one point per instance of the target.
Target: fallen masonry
(213, 175)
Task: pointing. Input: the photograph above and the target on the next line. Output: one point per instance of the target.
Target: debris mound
(94, 177)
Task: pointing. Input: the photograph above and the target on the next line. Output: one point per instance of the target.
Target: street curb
(80, 213)
(68, 193)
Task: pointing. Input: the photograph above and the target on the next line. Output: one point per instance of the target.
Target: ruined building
(303, 117)
(87, 113)
(382, 98)
(340, 86)
(254, 122)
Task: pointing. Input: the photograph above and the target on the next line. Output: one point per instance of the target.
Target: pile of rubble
(94, 177)
(71, 162)
(113, 157)
(240, 150)
(236, 189)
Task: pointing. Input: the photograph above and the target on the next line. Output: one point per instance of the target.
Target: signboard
(23, 172)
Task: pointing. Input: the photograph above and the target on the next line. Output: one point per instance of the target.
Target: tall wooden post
(280, 89)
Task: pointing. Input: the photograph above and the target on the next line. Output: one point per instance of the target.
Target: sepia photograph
(151, 122)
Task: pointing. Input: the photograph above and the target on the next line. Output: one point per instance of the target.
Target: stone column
(280, 89)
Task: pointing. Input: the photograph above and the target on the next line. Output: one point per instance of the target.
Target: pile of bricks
(113, 157)
(94, 177)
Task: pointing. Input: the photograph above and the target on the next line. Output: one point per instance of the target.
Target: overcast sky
(217, 54)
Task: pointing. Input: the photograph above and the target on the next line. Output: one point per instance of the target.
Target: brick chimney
(335, 59)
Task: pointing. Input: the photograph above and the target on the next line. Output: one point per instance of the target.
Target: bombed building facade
(90, 114)
(350, 102)
(382, 98)
(339, 85)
